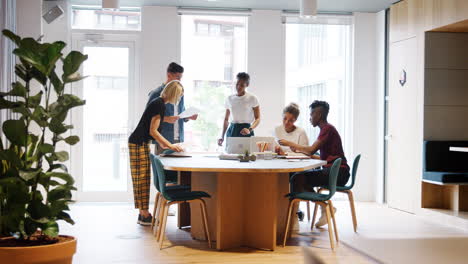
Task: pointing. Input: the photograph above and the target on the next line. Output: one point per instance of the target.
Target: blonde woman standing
(149, 128)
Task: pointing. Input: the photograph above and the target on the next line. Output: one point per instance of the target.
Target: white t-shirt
(297, 136)
(241, 107)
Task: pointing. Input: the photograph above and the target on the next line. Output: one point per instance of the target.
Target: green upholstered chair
(347, 189)
(169, 197)
(319, 199)
(171, 188)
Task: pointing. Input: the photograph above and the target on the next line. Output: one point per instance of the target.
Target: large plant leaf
(22, 110)
(60, 193)
(61, 156)
(32, 144)
(35, 100)
(16, 190)
(56, 207)
(28, 175)
(51, 229)
(75, 77)
(71, 64)
(20, 71)
(6, 104)
(66, 217)
(54, 52)
(38, 210)
(40, 116)
(39, 76)
(30, 51)
(15, 131)
(11, 156)
(46, 148)
(59, 109)
(56, 82)
(56, 126)
(59, 166)
(62, 175)
(72, 140)
(70, 101)
(18, 89)
(16, 39)
(31, 226)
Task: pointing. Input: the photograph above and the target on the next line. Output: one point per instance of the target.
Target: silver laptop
(237, 145)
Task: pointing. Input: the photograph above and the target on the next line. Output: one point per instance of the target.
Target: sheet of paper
(189, 112)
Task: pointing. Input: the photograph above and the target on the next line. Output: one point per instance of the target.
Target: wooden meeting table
(248, 206)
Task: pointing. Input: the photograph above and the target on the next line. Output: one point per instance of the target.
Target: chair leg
(330, 229)
(308, 211)
(161, 208)
(158, 214)
(205, 221)
(334, 221)
(315, 215)
(288, 221)
(353, 210)
(163, 226)
(156, 201)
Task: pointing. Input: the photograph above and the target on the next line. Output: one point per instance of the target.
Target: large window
(318, 67)
(214, 50)
(93, 17)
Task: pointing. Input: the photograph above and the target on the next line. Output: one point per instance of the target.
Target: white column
(266, 66)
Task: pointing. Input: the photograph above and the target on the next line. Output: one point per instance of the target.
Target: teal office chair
(171, 176)
(347, 190)
(319, 199)
(171, 188)
(170, 197)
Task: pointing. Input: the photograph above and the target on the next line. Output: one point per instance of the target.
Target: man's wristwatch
(250, 129)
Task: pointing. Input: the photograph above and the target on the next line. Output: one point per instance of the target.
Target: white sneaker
(171, 213)
(323, 218)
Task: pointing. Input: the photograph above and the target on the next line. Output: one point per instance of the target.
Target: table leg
(183, 216)
(245, 209)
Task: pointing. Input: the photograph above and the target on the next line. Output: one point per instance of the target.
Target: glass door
(101, 160)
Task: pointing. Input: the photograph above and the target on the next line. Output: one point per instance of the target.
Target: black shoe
(145, 221)
(300, 215)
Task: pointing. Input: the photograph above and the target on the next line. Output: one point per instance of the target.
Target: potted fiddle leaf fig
(35, 186)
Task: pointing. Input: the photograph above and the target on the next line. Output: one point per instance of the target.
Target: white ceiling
(323, 5)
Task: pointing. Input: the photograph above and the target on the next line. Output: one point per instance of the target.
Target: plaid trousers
(141, 174)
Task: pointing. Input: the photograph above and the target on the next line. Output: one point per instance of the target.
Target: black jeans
(307, 180)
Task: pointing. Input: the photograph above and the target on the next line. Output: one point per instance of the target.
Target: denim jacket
(167, 129)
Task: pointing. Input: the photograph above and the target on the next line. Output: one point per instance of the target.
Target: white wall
(266, 66)
(29, 18)
(58, 29)
(367, 114)
(160, 45)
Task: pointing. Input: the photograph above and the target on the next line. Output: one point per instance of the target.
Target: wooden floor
(108, 233)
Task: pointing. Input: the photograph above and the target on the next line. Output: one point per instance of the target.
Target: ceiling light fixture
(308, 8)
(110, 4)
